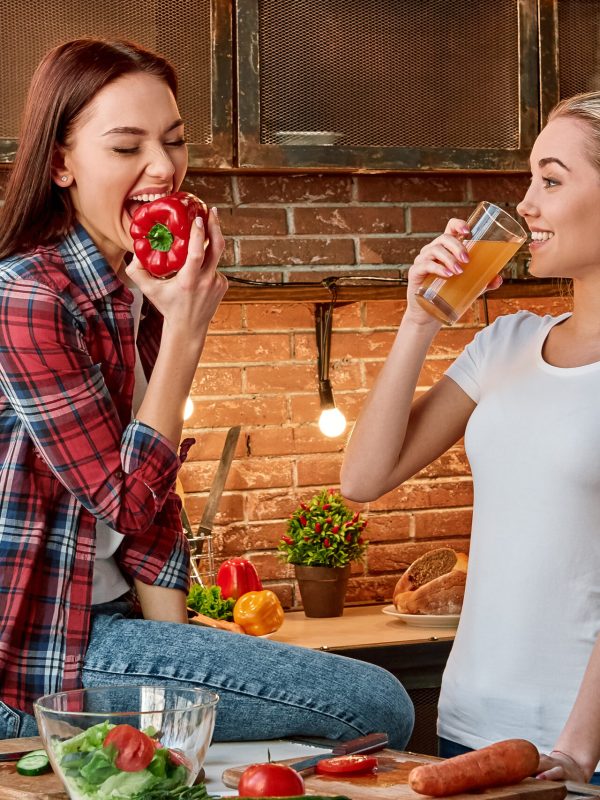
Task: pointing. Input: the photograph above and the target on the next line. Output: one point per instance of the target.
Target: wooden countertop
(361, 626)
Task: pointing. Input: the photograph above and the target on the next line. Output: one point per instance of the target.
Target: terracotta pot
(323, 589)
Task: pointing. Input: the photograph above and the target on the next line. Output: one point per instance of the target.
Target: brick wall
(259, 365)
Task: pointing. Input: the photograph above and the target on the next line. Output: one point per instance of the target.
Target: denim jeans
(267, 689)
(447, 749)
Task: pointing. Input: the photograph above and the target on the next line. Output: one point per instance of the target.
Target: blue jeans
(267, 690)
(448, 749)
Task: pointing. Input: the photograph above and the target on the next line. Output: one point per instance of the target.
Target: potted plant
(323, 538)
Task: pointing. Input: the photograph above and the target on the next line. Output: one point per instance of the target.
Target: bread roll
(433, 584)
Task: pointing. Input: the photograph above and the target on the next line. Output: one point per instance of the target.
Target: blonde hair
(584, 107)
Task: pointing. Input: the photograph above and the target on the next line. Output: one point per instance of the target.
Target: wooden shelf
(353, 293)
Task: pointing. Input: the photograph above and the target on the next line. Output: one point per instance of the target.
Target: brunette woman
(96, 362)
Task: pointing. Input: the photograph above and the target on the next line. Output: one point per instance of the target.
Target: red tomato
(270, 780)
(134, 748)
(342, 765)
(178, 758)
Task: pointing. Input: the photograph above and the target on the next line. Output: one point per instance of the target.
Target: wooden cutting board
(390, 782)
(20, 787)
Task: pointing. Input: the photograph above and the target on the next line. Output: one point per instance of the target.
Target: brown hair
(36, 211)
(586, 108)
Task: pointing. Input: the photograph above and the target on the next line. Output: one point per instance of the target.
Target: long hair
(36, 211)
(586, 108)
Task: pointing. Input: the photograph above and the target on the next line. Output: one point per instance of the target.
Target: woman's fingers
(203, 259)
(559, 767)
(215, 236)
(457, 227)
(554, 774)
(140, 276)
(447, 249)
(495, 283)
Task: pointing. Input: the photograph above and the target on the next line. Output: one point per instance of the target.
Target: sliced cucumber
(34, 763)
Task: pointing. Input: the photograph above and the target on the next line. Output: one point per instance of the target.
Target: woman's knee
(389, 707)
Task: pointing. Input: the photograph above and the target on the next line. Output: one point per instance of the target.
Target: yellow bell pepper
(258, 612)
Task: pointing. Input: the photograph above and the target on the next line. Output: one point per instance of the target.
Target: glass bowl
(126, 741)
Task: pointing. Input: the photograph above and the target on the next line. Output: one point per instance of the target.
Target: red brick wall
(259, 365)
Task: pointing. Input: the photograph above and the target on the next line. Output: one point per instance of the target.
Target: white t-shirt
(531, 613)
(108, 581)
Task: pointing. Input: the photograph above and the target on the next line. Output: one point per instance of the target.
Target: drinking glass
(494, 239)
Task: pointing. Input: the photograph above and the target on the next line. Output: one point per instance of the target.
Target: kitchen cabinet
(195, 36)
(415, 655)
(397, 85)
(336, 84)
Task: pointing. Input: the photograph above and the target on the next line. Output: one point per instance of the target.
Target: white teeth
(147, 198)
(541, 236)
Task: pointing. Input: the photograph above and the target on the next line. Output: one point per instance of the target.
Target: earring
(64, 178)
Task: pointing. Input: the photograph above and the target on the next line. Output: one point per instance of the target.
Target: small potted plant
(324, 536)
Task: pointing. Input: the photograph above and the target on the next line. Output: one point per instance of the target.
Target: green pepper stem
(160, 238)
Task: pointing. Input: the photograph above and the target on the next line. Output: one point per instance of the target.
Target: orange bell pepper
(259, 612)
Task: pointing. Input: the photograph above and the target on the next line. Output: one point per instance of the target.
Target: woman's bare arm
(396, 436)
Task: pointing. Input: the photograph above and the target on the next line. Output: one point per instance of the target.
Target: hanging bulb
(332, 422)
(188, 408)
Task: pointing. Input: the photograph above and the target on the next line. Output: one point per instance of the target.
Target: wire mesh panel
(578, 46)
(424, 736)
(180, 30)
(416, 73)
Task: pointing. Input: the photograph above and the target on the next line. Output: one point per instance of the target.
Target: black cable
(327, 282)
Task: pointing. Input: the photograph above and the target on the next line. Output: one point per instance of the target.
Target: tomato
(134, 748)
(343, 765)
(270, 780)
(178, 758)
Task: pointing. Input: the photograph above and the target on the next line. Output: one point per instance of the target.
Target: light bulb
(188, 409)
(332, 422)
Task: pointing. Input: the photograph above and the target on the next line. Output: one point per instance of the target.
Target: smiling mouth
(541, 236)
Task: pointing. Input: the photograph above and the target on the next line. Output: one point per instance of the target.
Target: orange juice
(448, 298)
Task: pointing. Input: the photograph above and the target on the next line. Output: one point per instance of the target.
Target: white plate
(424, 620)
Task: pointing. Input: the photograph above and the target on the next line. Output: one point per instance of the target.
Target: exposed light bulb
(188, 409)
(332, 422)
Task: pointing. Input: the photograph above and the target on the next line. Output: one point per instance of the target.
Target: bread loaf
(433, 584)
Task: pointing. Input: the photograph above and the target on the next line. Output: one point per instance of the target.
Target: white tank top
(108, 581)
(531, 613)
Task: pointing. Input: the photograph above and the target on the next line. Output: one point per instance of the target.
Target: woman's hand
(189, 299)
(445, 256)
(559, 766)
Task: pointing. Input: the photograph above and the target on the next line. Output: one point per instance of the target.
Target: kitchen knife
(216, 490)
(218, 484)
(16, 756)
(364, 744)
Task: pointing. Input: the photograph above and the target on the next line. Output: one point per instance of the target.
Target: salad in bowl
(127, 742)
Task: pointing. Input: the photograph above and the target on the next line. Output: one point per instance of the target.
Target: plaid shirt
(70, 455)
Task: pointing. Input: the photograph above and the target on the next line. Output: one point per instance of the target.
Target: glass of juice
(494, 239)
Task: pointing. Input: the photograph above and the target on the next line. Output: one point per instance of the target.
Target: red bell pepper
(161, 231)
(236, 577)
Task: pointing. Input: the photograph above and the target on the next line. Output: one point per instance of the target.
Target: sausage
(498, 764)
(217, 623)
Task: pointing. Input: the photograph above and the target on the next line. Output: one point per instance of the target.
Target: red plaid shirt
(70, 455)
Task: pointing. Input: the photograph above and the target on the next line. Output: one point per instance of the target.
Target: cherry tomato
(270, 780)
(134, 748)
(178, 758)
(342, 765)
